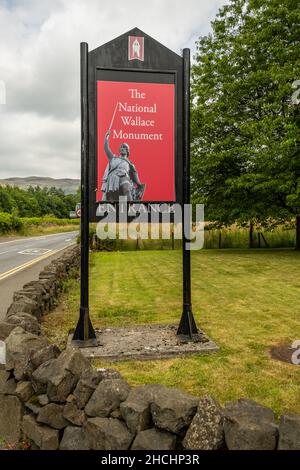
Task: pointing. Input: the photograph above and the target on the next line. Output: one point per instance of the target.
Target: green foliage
(9, 222)
(47, 220)
(277, 236)
(233, 237)
(37, 202)
(245, 127)
(12, 223)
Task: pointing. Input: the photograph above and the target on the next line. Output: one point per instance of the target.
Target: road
(22, 259)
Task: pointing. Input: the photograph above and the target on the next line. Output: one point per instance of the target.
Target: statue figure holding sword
(120, 177)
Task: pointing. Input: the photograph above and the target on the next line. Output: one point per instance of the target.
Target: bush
(9, 223)
(47, 220)
(12, 223)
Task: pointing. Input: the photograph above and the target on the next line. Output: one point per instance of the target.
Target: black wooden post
(84, 334)
(187, 327)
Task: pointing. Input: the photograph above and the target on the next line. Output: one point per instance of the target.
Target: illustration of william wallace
(120, 177)
(136, 48)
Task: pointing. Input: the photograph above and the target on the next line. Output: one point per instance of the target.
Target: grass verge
(245, 300)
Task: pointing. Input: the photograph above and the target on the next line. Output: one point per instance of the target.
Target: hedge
(12, 223)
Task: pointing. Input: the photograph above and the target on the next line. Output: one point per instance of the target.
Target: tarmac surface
(22, 259)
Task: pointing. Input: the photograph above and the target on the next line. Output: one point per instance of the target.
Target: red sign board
(140, 115)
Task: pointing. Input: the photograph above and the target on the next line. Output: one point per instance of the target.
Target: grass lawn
(245, 300)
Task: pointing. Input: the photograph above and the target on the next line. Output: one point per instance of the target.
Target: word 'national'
(135, 108)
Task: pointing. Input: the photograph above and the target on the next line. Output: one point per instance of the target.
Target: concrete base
(145, 342)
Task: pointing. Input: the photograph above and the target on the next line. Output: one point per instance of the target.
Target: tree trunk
(251, 240)
(297, 247)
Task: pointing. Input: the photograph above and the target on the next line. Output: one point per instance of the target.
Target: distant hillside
(68, 185)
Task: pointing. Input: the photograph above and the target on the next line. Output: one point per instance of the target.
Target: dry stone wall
(56, 400)
(37, 298)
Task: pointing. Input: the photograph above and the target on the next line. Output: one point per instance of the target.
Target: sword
(113, 117)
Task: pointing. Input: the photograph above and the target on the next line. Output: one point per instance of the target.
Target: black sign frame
(158, 59)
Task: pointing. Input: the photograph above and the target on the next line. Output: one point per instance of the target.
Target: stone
(86, 386)
(106, 373)
(50, 281)
(53, 270)
(8, 387)
(44, 437)
(135, 409)
(206, 429)
(154, 439)
(11, 414)
(39, 378)
(5, 330)
(73, 414)
(58, 266)
(173, 410)
(26, 321)
(19, 346)
(60, 375)
(39, 288)
(74, 439)
(107, 434)
(52, 414)
(43, 399)
(107, 397)
(289, 432)
(116, 414)
(51, 351)
(50, 285)
(31, 294)
(25, 305)
(33, 405)
(24, 391)
(4, 377)
(249, 426)
(69, 367)
(37, 358)
(71, 399)
(33, 446)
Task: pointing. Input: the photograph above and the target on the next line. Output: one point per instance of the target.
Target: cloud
(39, 145)
(39, 62)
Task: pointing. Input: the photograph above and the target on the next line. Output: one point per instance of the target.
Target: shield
(138, 193)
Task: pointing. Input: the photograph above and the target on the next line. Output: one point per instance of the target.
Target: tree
(6, 201)
(36, 201)
(245, 127)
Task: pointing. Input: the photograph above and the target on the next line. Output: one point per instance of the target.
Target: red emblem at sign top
(135, 48)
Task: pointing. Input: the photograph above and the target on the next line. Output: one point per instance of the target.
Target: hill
(68, 185)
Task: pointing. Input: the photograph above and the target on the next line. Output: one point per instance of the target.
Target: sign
(78, 210)
(135, 92)
(135, 128)
(141, 115)
(135, 48)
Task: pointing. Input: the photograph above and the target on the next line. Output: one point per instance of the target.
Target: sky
(39, 69)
